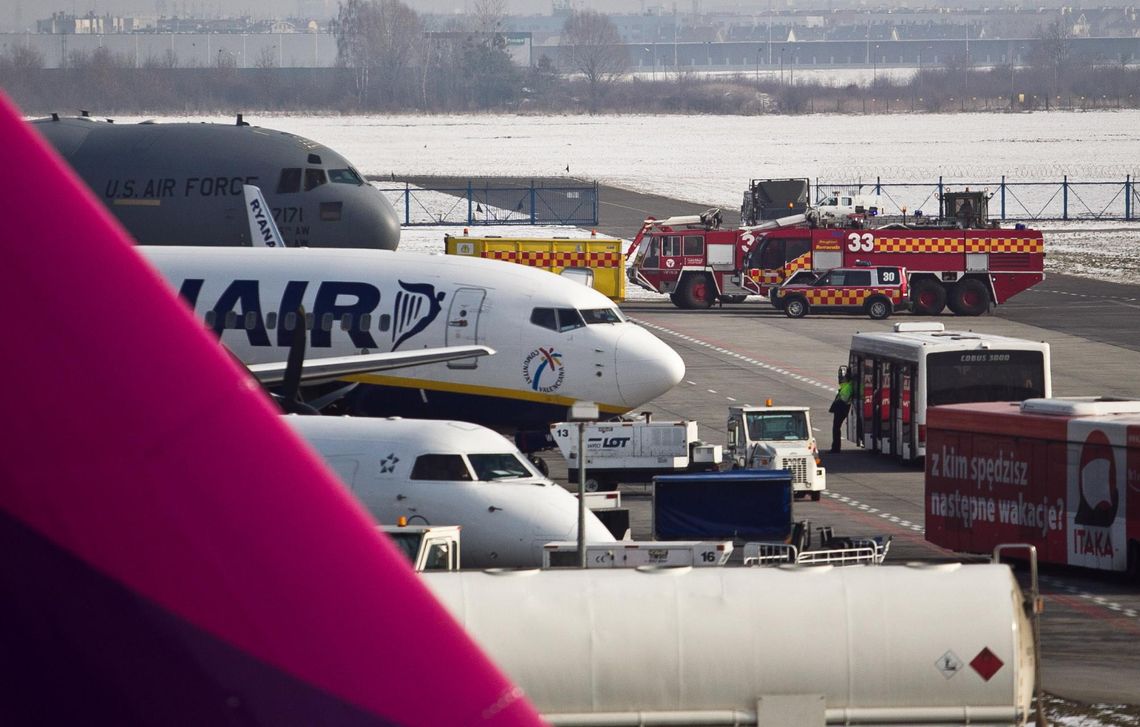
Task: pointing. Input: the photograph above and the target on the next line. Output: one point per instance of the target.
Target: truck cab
(842, 205)
(427, 547)
(777, 437)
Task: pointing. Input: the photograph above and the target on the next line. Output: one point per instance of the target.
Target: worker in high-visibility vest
(841, 406)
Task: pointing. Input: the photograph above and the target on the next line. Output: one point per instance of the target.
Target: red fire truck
(966, 268)
(1061, 474)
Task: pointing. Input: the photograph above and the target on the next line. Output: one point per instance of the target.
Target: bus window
(957, 377)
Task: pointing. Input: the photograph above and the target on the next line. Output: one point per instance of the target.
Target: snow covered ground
(708, 159)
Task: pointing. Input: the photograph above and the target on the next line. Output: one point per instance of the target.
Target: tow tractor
(427, 547)
(777, 437)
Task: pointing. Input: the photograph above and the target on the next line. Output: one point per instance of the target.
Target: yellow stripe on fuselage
(492, 391)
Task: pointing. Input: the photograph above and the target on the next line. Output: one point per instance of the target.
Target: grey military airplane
(181, 183)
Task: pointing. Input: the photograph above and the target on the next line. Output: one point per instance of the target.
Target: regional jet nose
(646, 367)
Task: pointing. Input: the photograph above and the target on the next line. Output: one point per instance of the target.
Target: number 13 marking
(860, 243)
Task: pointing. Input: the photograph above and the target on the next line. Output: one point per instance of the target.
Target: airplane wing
(315, 371)
(172, 552)
(263, 230)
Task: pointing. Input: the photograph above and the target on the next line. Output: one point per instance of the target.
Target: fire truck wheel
(795, 307)
(929, 298)
(879, 308)
(676, 300)
(969, 298)
(697, 292)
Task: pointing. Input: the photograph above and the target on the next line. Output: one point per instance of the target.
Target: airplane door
(463, 323)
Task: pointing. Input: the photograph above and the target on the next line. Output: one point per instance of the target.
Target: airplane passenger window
(290, 181)
(497, 466)
(601, 315)
(326, 322)
(289, 322)
(440, 467)
(346, 322)
(385, 321)
(271, 321)
(314, 178)
(345, 176)
(231, 319)
(568, 320)
(545, 318)
(364, 322)
(309, 322)
(250, 320)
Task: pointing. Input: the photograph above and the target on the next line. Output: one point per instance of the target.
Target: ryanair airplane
(556, 340)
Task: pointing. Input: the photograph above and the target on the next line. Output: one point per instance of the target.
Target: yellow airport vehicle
(599, 262)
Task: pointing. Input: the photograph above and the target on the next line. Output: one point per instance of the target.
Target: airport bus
(898, 374)
(1060, 474)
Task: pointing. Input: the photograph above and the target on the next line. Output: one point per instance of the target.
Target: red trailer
(1062, 474)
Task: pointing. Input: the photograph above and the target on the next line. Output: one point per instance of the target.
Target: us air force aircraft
(181, 184)
(451, 473)
(556, 341)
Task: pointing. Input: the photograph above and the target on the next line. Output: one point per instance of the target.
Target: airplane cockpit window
(345, 176)
(314, 178)
(490, 467)
(545, 318)
(569, 319)
(290, 181)
(440, 467)
(601, 315)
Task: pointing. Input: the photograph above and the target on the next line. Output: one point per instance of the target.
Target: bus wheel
(696, 292)
(929, 298)
(795, 307)
(969, 298)
(879, 308)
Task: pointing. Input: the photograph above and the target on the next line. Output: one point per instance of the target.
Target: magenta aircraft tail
(170, 553)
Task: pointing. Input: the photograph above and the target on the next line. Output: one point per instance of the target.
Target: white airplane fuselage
(557, 341)
(395, 467)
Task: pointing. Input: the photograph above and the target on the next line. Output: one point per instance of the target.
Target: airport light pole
(582, 412)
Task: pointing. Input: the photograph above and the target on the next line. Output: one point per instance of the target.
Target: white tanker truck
(886, 645)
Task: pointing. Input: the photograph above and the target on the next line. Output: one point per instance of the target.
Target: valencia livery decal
(543, 370)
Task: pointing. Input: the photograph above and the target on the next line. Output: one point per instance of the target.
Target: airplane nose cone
(646, 367)
(386, 228)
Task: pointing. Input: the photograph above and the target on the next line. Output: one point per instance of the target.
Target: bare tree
(489, 15)
(380, 40)
(1053, 51)
(593, 48)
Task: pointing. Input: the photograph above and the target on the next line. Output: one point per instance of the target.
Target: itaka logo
(1099, 497)
(543, 370)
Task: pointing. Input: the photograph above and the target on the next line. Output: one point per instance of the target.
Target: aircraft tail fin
(263, 231)
(173, 553)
